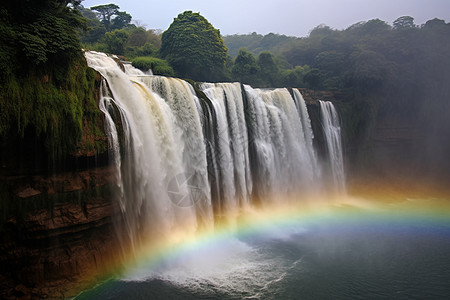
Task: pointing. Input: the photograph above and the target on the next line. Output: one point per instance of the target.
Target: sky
(289, 17)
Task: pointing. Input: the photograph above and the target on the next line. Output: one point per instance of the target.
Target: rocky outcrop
(312, 98)
(313, 95)
(58, 230)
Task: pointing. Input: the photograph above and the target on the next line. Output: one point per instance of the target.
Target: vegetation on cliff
(157, 65)
(47, 90)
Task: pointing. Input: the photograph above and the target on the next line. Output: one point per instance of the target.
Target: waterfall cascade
(332, 133)
(188, 162)
(283, 160)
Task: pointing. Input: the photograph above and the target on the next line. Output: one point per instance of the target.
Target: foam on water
(228, 265)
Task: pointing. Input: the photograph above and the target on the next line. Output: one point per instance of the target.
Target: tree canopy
(107, 13)
(404, 22)
(39, 32)
(245, 67)
(194, 48)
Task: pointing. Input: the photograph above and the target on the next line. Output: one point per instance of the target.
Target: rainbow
(341, 214)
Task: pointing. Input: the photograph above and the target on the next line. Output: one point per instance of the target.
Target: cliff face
(56, 214)
(59, 229)
(386, 144)
(313, 95)
(394, 144)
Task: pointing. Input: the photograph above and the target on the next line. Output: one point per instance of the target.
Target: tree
(141, 42)
(435, 23)
(137, 37)
(314, 79)
(374, 27)
(245, 68)
(156, 65)
(111, 17)
(121, 20)
(96, 30)
(332, 61)
(294, 77)
(105, 12)
(369, 69)
(42, 32)
(321, 30)
(404, 22)
(115, 41)
(268, 69)
(194, 48)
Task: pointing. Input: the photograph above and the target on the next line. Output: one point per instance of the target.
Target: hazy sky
(290, 17)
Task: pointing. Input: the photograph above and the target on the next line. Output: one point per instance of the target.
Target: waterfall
(187, 159)
(283, 158)
(307, 130)
(230, 147)
(156, 188)
(332, 133)
(180, 99)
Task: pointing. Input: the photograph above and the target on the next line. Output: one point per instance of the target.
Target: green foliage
(121, 20)
(257, 43)
(33, 47)
(245, 68)
(137, 37)
(400, 72)
(404, 22)
(115, 41)
(95, 29)
(47, 89)
(194, 48)
(146, 50)
(52, 35)
(368, 70)
(158, 66)
(268, 69)
(105, 12)
(129, 41)
(333, 61)
(377, 69)
(315, 79)
(142, 42)
(35, 108)
(321, 30)
(7, 47)
(40, 33)
(294, 77)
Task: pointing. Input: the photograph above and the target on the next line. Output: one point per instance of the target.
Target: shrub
(157, 65)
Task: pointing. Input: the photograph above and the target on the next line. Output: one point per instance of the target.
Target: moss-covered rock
(45, 119)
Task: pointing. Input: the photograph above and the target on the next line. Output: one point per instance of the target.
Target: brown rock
(28, 192)
(46, 251)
